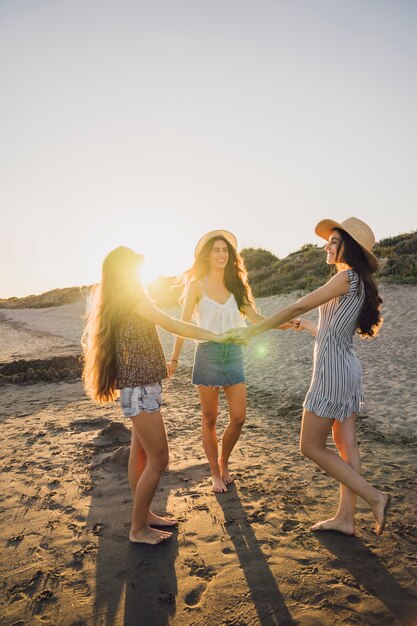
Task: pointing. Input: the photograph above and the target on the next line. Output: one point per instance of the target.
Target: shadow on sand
(136, 584)
(372, 575)
(266, 596)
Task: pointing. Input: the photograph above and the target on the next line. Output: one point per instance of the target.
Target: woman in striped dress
(348, 302)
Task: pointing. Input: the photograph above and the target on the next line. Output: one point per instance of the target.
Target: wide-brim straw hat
(358, 230)
(212, 235)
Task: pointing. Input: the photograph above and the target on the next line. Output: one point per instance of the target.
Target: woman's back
(139, 354)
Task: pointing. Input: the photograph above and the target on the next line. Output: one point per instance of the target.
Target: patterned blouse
(139, 354)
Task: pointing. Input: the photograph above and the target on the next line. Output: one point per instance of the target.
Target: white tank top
(217, 317)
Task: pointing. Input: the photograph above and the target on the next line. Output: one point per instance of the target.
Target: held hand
(302, 324)
(287, 325)
(171, 367)
(298, 324)
(225, 337)
(234, 335)
(239, 335)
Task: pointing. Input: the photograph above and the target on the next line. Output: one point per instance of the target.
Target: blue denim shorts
(147, 398)
(218, 365)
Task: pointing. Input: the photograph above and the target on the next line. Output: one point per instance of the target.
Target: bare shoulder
(340, 281)
(195, 290)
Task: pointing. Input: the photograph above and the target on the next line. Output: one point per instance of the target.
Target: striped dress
(336, 387)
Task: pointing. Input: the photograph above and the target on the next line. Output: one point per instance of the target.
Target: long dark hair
(235, 274)
(370, 320)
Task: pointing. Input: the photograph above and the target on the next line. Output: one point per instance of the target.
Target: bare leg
(151, 438)
(344, 436)
(209, 398)
(314, 432)
(136, 465)
(236, 398)
(137, 462)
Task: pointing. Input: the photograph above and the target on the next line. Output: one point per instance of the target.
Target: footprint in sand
(187, 543)
(193, 494)
(289, 525)
(193, 597)
(44, 545)
(80, 589)
(45, 597)
(201, 507)
(28, 586)
(97, 529)
(53, 483)
(14, 539)
(200, 569)
(353, 599)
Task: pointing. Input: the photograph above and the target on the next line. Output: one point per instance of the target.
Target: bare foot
(336, 525)
(218, 484)
(157, 520)
(380, 512)
(225, 474)
(149, 535)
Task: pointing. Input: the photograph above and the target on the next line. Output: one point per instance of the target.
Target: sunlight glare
(147, 274)
(170, 257)
(261, 351)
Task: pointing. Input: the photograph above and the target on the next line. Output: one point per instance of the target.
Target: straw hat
(358, 230)
(212, 235)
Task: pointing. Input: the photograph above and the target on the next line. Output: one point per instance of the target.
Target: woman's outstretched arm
(191, 299)
(302, 324)
(336, 286)
(149, 311)
(254, 317)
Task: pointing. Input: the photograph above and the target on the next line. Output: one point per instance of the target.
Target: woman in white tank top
(219, 297)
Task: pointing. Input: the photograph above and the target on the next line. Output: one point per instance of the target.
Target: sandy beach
(242, 558)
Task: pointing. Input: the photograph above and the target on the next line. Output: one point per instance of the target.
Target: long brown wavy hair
(116, 294)
(370, 320)
(235, 274)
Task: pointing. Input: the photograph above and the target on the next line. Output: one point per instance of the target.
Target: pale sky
(148, 124)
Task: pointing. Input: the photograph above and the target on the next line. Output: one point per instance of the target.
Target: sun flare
(163, 262)
(147, 274)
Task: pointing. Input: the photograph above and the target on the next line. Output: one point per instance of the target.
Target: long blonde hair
(116, 294)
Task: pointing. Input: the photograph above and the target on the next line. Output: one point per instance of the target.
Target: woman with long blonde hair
(123, 356)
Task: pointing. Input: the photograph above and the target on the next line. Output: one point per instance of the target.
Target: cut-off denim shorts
(146, 398)
(218, 365)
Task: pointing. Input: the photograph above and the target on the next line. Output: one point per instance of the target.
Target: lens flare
(261, 351)
(146, 274)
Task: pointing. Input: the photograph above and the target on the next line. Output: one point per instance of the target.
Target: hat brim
(226, 234)
(324, 229)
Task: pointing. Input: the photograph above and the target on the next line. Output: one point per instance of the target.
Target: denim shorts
(147, 398)
(218, 365)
